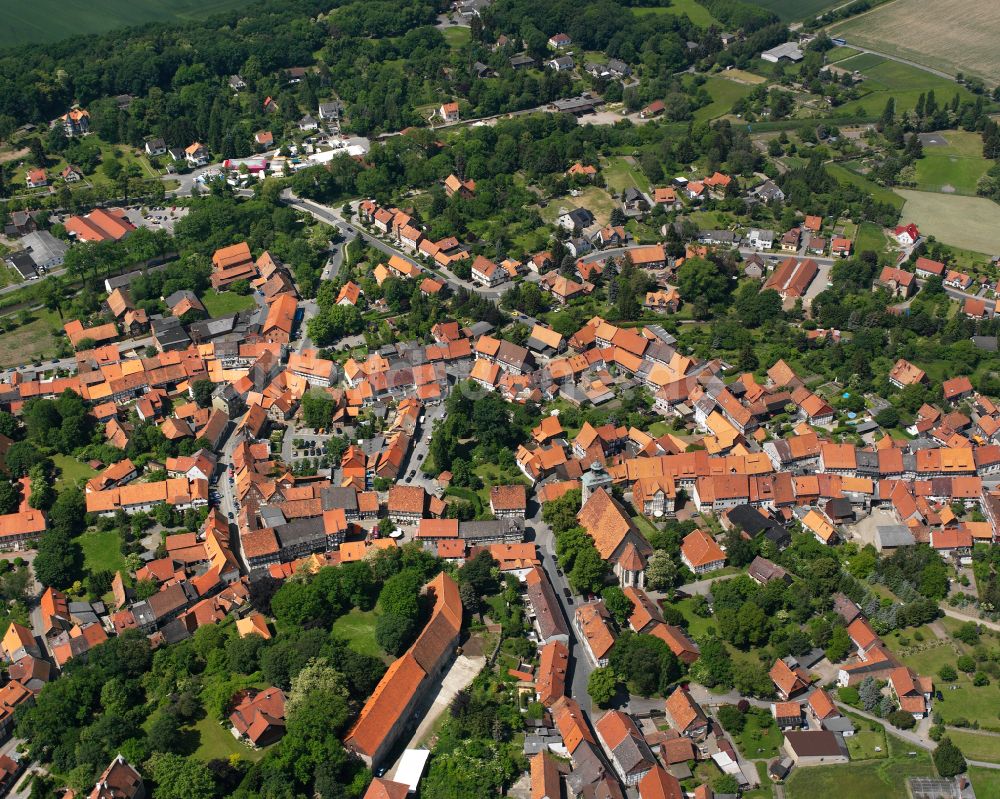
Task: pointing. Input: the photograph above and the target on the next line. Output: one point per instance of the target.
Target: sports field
(972, 223)
(52, 20)
(949, 35)
(953, 162)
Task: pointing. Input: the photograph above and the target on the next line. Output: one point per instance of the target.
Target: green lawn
(724, 93)
(884, 779)
(955, 167)
(52, 20)
(985, 781)
(865, 741)
(457, 36)
(981, 704)
(840, 53)
(697, 626)
(223, 303)
(619, 175)
(977, 746)
(358, 627)
(870, 237)
(216, 742)
(102, 551)
(71, 471)
(34, 339)
(757, 741)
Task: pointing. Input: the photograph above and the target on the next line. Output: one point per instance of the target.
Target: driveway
(460, 675)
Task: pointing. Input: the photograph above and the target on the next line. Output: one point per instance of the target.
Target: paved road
(332, 216)
(957, 614)
(581, 666)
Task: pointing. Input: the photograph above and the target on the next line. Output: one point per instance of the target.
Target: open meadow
(972, 223)
(791, 10)
(949, 35)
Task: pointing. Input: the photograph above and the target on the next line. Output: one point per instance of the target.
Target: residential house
(701, 554)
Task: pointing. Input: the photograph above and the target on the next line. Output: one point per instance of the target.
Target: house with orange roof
(254, 624)
(700, 553)
(403, 687)
(381, 788)
(449, 112)
(820, 527)
(349, 294)
(661, 784)
(579, 169)
(905, 374)
(280, 322)
(685, 715)
(788, 681)
(259, 716)
(545, 777)
(508, 502)
(625, 746)
(593, 623)
(616, 537)
(912, 692)
(232, 263)
(466, 189)
(788, 715)
(553, 664)
(571, 723)
(101, 224)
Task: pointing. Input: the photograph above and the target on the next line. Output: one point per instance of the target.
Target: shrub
(980, 680)
(947, 673)
(902, 719)
(966, 663)
(918, 636)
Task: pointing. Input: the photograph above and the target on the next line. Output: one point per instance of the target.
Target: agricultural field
(884, 78)
(52, 20)
(698, 14)
(791, 10)
(953, 162)
(972, 223)
(913, 29)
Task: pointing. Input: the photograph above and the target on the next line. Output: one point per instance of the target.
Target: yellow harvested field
(741, 76)
(949, 35)
(971, 223)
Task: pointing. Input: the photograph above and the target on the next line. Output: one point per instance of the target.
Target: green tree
(947, 673)
(589, 570)
(179, 777)
(602, 685)
(618, 604)
(9, 497)
(948, 759)
(702, 283)
(203, 390)
(661, 573)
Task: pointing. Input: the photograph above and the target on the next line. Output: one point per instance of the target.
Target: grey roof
(168, 330)
(521, 60)
(580, 217)
(632, 754)
(301, 531)
(182, 294)
(210, 328)
(545, 607)
(574, 105)
(562, 62)
(894, 535)
(23, 263)
(335, 497)
(481, 328)
(588, 768)
(490, 528)
(44, 247)
(988, 343)
(789, 50)
(839, 724)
